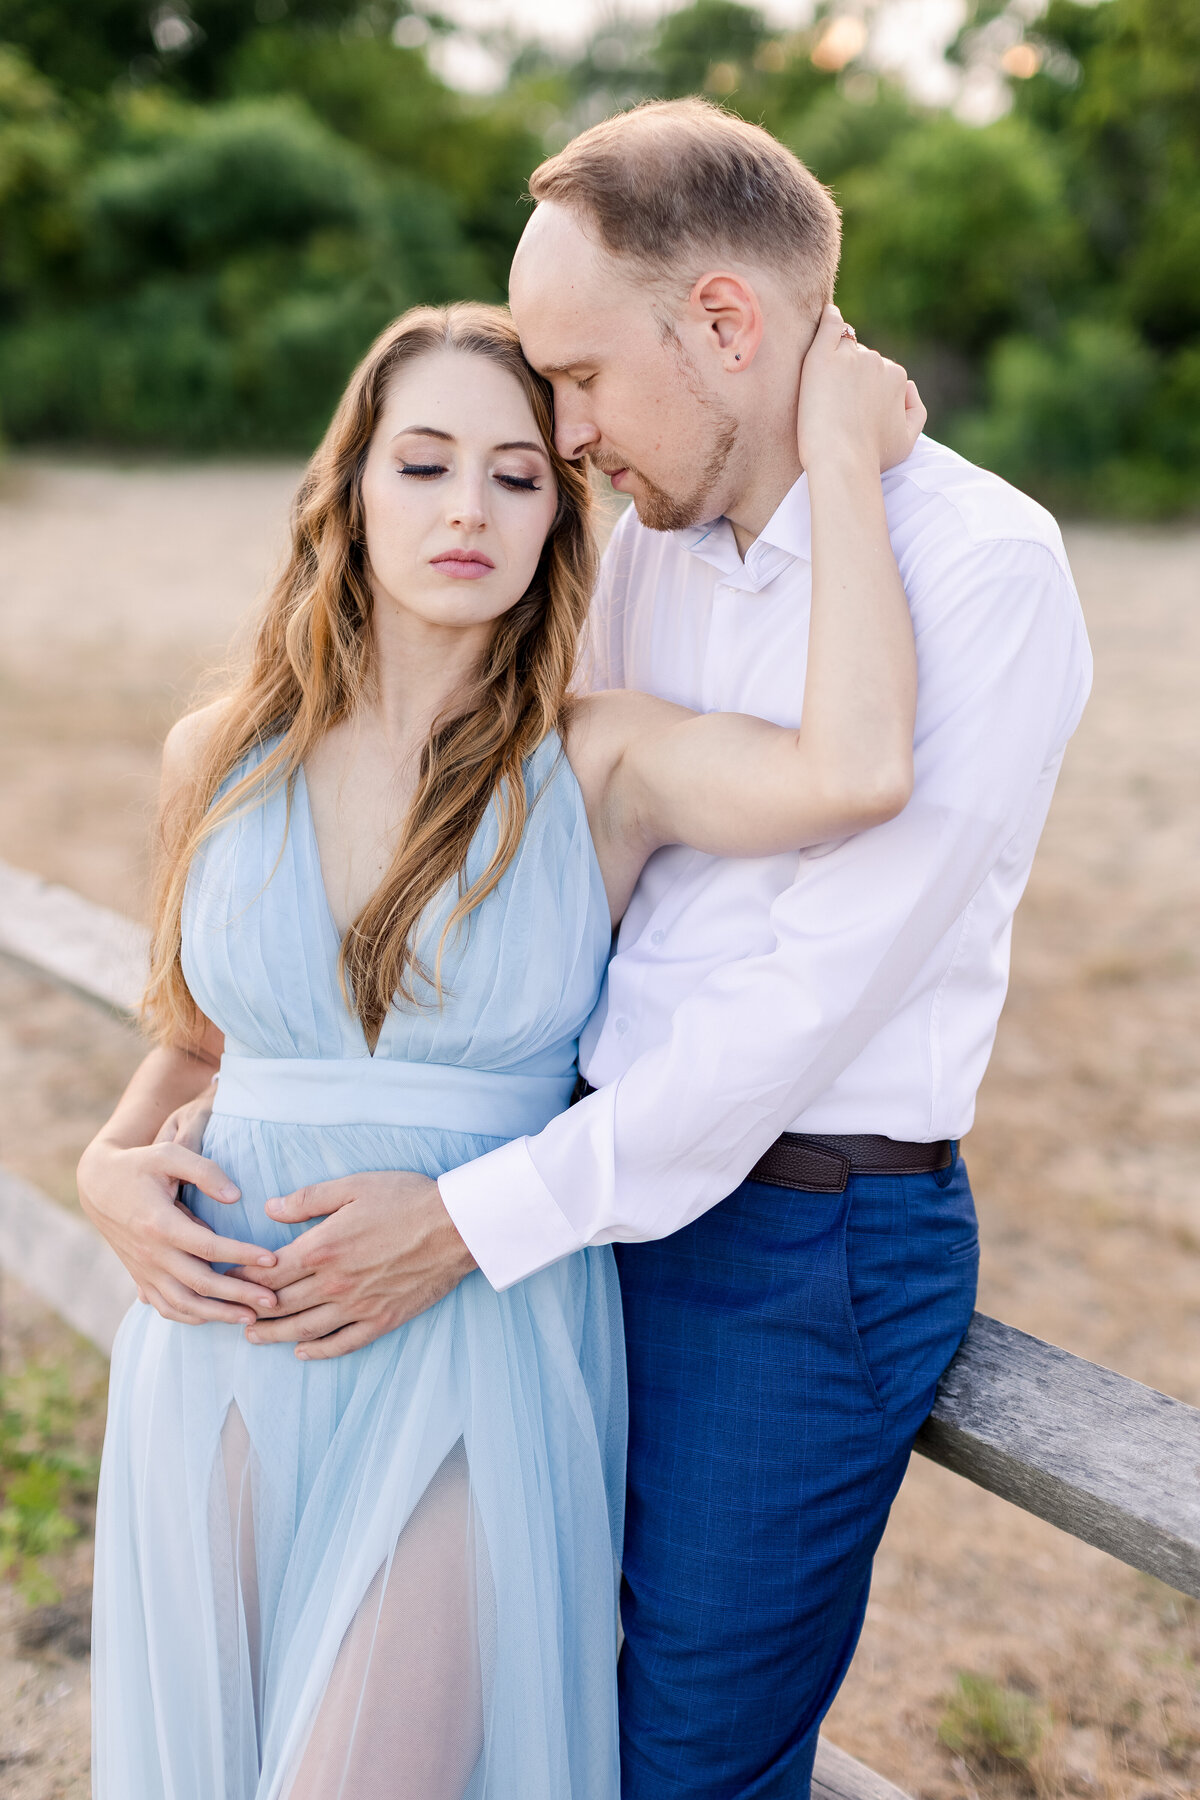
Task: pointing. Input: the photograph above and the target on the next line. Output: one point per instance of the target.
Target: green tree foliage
(232, 262)
(835, 134)
(204, 276)
(40, 161)
(81, 48)
(1101, 410)
(207, 207)
(720, 48)
(713, 38)
(956, 236)
(387, 100)
(1132, 140)
(1070, 414)
(85, 46)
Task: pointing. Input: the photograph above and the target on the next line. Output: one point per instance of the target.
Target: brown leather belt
(823, 1165)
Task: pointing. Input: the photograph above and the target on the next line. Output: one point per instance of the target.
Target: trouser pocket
(912, 1259)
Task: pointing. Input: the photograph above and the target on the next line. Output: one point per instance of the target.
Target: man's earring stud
(737, 356)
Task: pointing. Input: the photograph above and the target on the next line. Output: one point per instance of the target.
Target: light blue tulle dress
(392, 1573)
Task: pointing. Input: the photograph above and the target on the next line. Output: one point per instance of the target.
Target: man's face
(627, 394)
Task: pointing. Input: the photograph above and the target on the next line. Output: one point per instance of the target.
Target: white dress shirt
(854, 987)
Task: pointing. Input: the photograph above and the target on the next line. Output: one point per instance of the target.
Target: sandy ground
(119, 586)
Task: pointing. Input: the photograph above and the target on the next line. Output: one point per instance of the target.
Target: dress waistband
(360, 1090)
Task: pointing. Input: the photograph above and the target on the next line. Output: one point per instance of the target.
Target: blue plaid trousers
(783, 1351)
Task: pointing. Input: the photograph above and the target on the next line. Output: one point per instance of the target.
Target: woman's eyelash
(426, 471)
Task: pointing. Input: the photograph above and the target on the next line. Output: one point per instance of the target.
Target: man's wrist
(505, 1214)
(457, 1250)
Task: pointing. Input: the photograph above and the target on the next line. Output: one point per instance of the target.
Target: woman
(392, 858)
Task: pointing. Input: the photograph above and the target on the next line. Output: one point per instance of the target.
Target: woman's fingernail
(274, 1206)
(302, 1355)
(266, 1262)
(252, 1337)
(229, 1192)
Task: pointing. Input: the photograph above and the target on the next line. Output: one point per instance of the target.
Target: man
(786, 1051)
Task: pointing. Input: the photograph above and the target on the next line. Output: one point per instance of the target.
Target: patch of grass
(46, 1485)
(987, 1723)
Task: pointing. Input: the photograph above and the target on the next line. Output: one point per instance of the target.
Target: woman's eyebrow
(446, 437)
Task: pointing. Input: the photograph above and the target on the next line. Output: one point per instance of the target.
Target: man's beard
(660, 511)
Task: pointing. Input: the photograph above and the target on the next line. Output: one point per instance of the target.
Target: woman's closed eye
(430, 471)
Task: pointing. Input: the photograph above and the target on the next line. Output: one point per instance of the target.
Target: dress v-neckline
(326, 910)
(323, 903)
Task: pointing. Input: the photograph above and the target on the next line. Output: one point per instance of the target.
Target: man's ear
(726, 309)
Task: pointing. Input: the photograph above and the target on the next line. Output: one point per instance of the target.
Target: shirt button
(620, 1026)
(658, 937)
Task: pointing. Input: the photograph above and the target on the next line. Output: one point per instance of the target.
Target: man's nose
(573, 435)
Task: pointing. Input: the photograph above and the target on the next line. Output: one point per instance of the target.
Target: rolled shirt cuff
(506, 1215)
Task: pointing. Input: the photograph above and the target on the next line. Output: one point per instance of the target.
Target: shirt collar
(785, 539)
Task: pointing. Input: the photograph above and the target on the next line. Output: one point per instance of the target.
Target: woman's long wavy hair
(313, 664)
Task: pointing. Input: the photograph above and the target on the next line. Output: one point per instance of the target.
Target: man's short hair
(672, 183)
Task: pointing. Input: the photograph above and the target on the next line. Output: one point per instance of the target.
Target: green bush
(1081, 419)
(957, 235)
(236, 263)
(218, 180)
(87, 46)
(835, 134)
(387, 101)
(197, 241)
(41, 159)
(711, 32)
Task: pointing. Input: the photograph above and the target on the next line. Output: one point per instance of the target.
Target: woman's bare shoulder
(187, 741)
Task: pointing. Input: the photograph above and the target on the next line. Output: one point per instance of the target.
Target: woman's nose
(466, 511)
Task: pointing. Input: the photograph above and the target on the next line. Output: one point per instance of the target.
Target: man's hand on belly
(385, 1250)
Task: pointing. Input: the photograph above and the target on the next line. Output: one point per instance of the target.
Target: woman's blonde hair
(313, 663)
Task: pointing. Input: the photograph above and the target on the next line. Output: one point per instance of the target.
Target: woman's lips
(464, 565)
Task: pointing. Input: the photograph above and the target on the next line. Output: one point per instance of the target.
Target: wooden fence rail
(60, 1258)
(1102, 1457)
(100, 953)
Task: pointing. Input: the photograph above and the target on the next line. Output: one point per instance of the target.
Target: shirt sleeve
(1004, 671)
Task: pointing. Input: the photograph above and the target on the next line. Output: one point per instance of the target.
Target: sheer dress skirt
(388, 1576)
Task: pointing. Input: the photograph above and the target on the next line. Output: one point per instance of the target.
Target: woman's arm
(129, 1175)
(733, 785)
(170, 1078)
